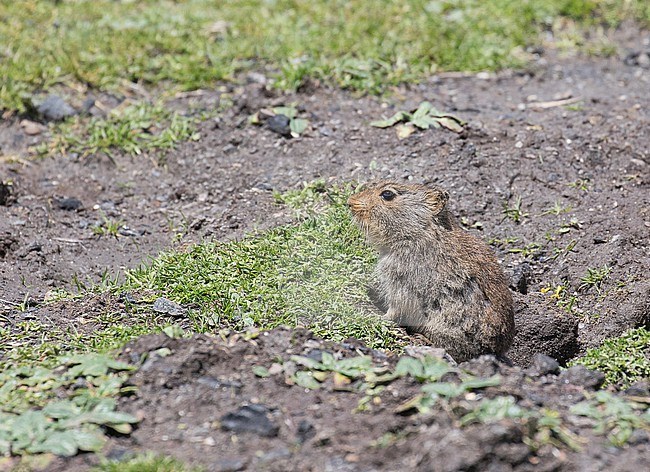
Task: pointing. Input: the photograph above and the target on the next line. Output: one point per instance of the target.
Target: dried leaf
(404, 131)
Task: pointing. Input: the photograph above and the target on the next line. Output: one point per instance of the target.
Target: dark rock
(639, 389)
(31, 247)
(317, 354)
(305, 432)
(126, 231)
(580, 375)
(519, 278)
(118, 453)
(168, 307)
(543, 365)
(250, 419)
(279, 124)
(264, 186)
(67, 203)
(5, 193)
(127, 297)
(638, 58)
(54, 108)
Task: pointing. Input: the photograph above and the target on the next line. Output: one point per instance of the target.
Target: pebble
(580, 375)
(67, 203)
(250, 419)
(168, 307)
(279, 124)
(305, 432)
(54, 108)
(543, 365)
(31, 128)
(5, 193)
(519, 278)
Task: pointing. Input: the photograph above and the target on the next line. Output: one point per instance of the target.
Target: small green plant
(424, 117)
(503, 242)
(62, 410)
(557, 209)
(595, 277)
(107, 227)
(561, 296)
(308, 200)
(623, 360)
(573, 223)
(515, 211)
(580, 184)
(527, 251)
(615, 417)
(557, 252)
(545, 425)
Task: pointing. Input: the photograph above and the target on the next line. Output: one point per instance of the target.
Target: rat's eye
(387, 195)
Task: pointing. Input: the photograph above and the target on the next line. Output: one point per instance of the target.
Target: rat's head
(389, 212)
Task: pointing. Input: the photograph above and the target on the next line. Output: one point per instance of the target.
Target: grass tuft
(623, 360)
(312, 274)
(146, 463)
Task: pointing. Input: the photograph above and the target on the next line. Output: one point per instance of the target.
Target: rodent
(435, 278)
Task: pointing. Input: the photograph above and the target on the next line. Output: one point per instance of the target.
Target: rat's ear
(437, 199)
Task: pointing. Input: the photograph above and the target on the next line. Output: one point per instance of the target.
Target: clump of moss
(623, 360)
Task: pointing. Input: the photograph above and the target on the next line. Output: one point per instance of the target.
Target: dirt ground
(590, 157)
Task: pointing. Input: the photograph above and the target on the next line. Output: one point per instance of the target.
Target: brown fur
(435, 278)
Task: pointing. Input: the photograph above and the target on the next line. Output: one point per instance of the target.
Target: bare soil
(591, 157)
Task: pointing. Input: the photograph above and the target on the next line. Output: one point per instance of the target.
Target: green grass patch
(361, 44)
(146, 463)
(623, 360)
(313, 274)
(134, 129)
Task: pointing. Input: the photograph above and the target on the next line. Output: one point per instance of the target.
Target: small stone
(519, 278)
(250, 419)
(267, 187)
(168, 307)
(544, 365)
(638, 389)
(32, 128)
(54, 108)
(279, 124)
(5, 193)
(256, 78)
(67, 203)
(305, 432)
(638, 58)
(580, 375)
